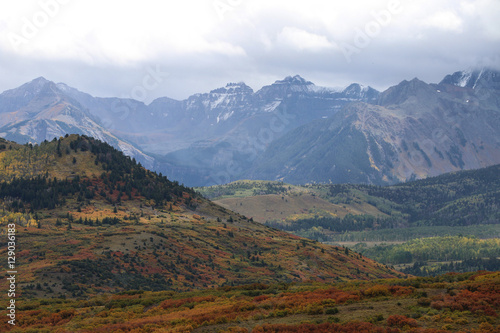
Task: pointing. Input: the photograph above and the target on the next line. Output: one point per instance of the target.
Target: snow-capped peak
(356, 89)
(472, 77)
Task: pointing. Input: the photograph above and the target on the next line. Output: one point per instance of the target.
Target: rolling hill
(461, 198)
(460, 203)
(436, 225)
(104, 245)
(273, 201)
(90, 220)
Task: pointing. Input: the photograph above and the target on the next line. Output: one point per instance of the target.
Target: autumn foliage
(478, 297)
(454, 302)
(177, 303)
(359, 327)
(401, 321)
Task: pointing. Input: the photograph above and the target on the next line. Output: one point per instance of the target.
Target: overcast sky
(147, 49)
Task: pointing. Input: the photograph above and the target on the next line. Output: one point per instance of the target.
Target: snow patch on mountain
(63, 87)
(220, 99)
(271, 106)
(224, 116)
(322, 90)
(478, 78)
(466, 75)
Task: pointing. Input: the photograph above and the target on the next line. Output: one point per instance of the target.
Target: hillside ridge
(91, 220)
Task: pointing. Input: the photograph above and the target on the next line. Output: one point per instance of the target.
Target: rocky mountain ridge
(231, 132)
(415, 130)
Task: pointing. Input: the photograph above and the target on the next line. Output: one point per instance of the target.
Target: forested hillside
(336, 212)
(90, 220)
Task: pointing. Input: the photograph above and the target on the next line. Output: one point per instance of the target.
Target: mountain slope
(90, 220)
(474, 78)
(235, 135)
(40, 110)
(416, 130)
(274, 201)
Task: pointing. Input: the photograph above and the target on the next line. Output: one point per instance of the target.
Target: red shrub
(401, 290)
(357, 327)
(176, 303)
(401, 321)
(260, 298)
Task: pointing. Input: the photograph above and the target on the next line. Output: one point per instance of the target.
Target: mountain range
(291, 130)
(414, 130)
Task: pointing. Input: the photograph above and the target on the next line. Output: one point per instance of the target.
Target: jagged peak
(238, 84)
(39, 80)
(413, 83)
(459, 78)
(294, 80)
(471, 77)
(359, 91)
(232, 88)
(356, 87)
(37, 84)
(30, 89)
(402, 91)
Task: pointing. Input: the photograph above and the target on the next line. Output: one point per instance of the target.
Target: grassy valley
(267, 201)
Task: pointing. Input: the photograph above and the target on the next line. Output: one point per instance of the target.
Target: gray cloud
(202, 47)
